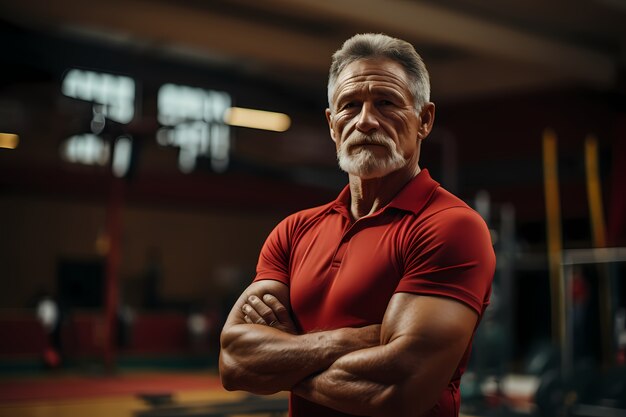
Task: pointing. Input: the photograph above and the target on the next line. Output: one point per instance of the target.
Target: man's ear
(329, 119)
(426, 120)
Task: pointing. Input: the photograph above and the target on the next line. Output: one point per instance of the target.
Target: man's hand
(268, 311)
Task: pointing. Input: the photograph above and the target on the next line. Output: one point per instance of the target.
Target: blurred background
(147, 148)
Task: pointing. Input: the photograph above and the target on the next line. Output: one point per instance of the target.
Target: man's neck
(369, 195)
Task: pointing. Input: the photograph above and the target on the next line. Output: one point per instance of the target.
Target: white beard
(363, 162)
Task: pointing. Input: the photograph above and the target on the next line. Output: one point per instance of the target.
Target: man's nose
(367, 121)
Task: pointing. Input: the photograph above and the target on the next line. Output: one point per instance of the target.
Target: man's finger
(252, 314)
(278, 308)
(262, 309)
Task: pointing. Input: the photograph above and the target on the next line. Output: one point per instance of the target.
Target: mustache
(358, 138)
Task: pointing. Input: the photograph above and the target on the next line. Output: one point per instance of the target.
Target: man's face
(374, 123)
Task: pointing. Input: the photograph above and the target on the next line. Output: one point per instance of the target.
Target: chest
(343, 275)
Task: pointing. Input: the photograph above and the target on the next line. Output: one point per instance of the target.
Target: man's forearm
(263, 360)
(407, 374)
(376, 382)
(343, 390)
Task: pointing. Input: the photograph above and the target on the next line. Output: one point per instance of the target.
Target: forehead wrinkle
(350, 78)
(374, 78)
(384, 88)
(374, 67)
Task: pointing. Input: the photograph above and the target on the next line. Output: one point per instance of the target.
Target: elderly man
(367, 305)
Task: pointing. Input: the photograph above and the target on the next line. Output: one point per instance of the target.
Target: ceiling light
(257, 119)
(9, 140)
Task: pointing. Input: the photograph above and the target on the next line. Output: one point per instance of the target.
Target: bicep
(429, 336)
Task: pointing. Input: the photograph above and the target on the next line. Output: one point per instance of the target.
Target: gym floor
(119, 395)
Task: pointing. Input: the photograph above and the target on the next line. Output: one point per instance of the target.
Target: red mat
(76, 387)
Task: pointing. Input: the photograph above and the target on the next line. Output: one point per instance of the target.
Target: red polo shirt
(342, 273)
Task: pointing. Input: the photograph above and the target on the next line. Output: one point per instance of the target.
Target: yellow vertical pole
(554, 236)
(598, 231)
(594, 192)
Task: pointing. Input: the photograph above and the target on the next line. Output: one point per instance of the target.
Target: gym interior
(147, 148)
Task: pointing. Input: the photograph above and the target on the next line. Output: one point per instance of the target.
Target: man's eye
(349, 105)
(385, 103)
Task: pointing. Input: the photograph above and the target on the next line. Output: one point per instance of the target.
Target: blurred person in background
(367, 305)
(49, 315)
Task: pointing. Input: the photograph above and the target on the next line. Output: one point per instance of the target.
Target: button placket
(345, 240)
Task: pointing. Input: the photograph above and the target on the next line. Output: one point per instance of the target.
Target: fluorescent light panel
(257, 119)
(9, 140)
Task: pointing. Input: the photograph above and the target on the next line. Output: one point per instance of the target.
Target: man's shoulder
(447, 205)
(442, 199)
(307, 215)
(311, 212)
(448, 218)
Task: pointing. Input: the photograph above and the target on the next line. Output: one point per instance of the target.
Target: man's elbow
(235, 378)
(227, 365)
(398, 401)
(230, 382)
(228, 373)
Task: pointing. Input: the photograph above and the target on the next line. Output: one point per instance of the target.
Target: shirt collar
(412, 197)
(342, 202)
(416, 193)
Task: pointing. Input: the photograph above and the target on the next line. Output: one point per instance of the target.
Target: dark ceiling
(275, 54)
(473, 48)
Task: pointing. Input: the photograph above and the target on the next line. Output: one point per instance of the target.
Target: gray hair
(377, 45)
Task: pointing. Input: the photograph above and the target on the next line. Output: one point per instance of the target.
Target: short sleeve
(452, 256)
(274, 257)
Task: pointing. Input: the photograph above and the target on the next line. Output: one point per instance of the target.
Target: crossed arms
(399, 367)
